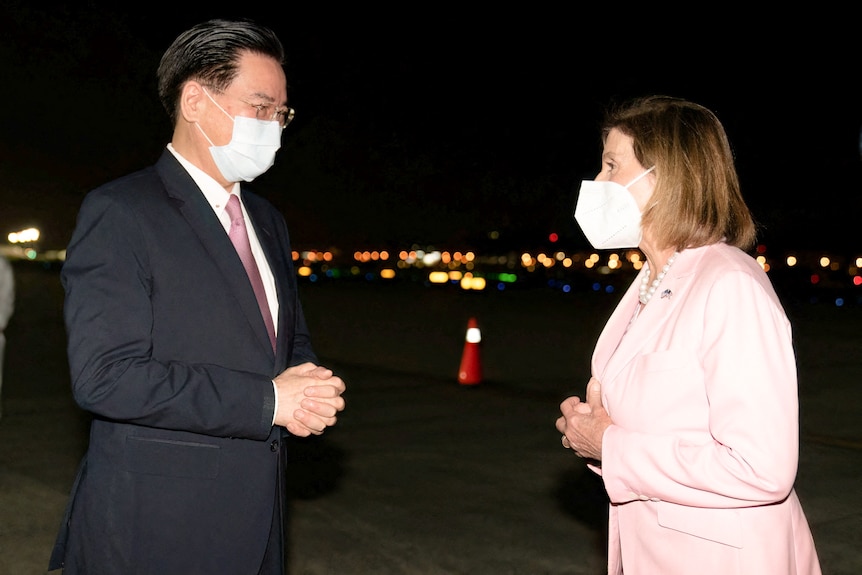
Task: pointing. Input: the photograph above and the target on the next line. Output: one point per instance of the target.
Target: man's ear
(193, 101)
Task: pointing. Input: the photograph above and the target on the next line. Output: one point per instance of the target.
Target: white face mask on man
(608, 214)
(251, 150)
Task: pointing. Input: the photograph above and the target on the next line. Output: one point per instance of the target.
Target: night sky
(439, 125)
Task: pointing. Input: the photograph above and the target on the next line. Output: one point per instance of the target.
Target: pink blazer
(701, 460)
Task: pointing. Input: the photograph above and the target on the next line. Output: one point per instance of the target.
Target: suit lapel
(199, 214)
(614, 330)
(273, 252)
(617, 347)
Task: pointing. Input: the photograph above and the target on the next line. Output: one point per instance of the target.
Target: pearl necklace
(646, 292)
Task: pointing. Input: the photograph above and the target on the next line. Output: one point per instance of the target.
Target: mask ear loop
(217, 106)
(198, 126)
(648, 208)
(630, 183)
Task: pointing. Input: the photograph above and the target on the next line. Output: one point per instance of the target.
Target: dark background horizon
(434, 126)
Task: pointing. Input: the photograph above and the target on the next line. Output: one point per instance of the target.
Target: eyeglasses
(283, 116)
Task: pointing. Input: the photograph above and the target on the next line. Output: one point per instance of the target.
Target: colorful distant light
(470, 282)
(438, 277)
(458, 268)
(24, 236)
(431, 258)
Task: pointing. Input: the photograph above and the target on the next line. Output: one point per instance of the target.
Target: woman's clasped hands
(583, 424)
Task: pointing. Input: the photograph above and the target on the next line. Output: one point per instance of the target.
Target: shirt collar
(211, 189)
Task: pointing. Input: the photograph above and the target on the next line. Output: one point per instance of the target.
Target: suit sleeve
(109, 321)
(302, 350)
(747, 452)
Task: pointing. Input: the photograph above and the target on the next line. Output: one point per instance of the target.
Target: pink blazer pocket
(720, 525)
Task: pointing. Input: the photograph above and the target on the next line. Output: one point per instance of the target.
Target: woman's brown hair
(697, 199)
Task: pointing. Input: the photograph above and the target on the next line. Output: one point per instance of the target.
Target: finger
(328, 390)
(566, 443)
(583, 409)
(322, 408)
(313, 423)
(298, 430)
(560, 424)
(569, 404)
(321, 372)
(326, 406)
(594, 393)
(306, 368)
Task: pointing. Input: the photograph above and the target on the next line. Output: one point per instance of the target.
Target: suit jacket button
(274, 445)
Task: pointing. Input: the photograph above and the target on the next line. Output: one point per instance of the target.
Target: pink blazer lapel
(622, 340)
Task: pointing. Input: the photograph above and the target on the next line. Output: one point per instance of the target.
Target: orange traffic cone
(470, 372)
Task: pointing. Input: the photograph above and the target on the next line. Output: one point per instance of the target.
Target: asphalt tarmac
(423, 475)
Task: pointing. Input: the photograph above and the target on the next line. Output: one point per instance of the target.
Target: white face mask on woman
(608, 214)
(251, 150)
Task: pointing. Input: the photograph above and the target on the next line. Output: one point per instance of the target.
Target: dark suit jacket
(168, 351)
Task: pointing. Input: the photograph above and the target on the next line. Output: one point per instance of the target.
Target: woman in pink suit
(691, 413)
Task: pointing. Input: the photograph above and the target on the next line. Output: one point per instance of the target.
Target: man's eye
(262, 110)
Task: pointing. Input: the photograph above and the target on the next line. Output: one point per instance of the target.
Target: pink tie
(239, 236)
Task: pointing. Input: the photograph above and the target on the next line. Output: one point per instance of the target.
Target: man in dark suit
(191, 354)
